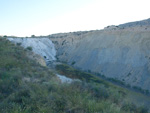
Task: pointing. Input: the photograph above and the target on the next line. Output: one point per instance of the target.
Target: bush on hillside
(29, 48)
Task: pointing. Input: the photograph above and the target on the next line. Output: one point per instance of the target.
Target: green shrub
(129, 107)
(18, 44)
(32, 36)
(5, 36)
(29, 48)
(73, 63)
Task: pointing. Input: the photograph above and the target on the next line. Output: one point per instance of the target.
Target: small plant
(89, 71)
(128, 74)
(18, 44)
(5, 36)
(32, 36)
(57, 58)
(73, 63)
(29, 48)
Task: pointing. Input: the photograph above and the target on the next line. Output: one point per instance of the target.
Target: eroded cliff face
(120, 53)
(40, 46)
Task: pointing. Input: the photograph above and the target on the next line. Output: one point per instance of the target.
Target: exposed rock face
(41, 46)
(118, 53)
(64, 79)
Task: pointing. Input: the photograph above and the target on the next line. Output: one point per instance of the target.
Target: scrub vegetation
(27, 87)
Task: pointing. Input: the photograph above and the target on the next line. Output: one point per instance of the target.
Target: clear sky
(44, 17)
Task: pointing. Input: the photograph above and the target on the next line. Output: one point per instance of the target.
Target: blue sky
(44, 17)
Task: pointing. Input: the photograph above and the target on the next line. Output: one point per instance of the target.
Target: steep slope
(27, 87)
(115, 52)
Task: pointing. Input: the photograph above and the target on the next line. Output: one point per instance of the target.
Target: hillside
(135, 24)
(121, 53)
(27, 87)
